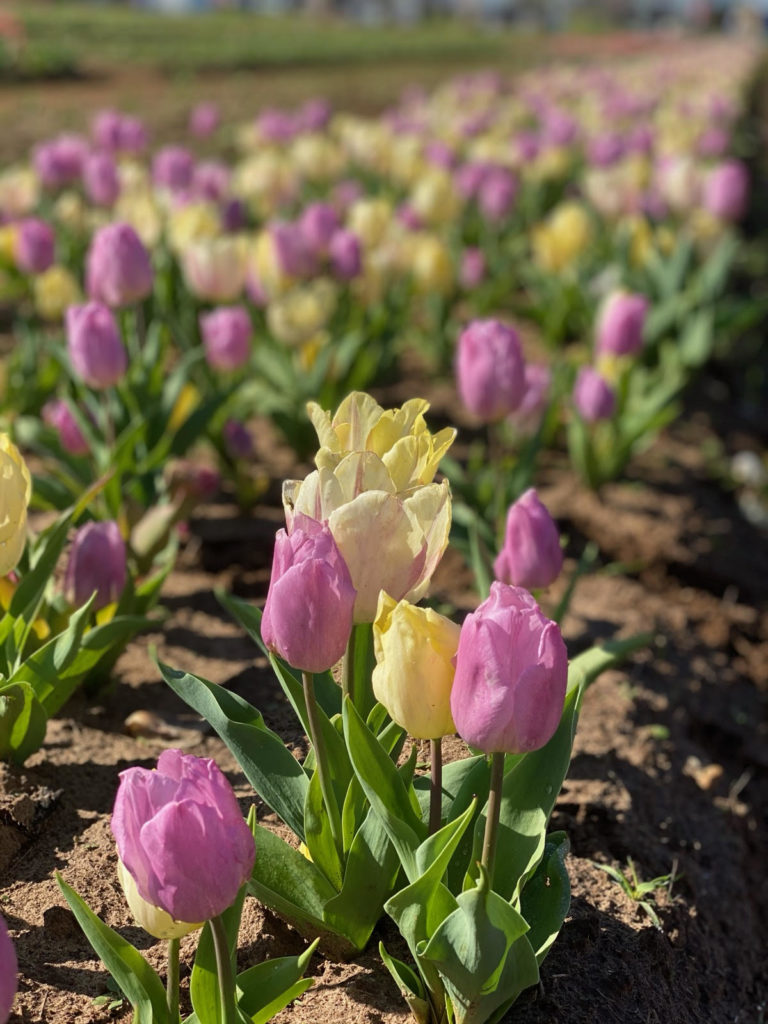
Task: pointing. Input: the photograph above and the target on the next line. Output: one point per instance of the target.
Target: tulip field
(383, 516)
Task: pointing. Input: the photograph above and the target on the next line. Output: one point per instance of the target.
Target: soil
(670, 766)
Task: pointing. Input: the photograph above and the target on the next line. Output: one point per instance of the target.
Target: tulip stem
(492, 816)
(229, 1014)
(172, 982)
(321, 762)
(436, 786)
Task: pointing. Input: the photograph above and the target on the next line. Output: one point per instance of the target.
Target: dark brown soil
(670, 767)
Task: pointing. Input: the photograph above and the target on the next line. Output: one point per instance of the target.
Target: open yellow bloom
(15, 492)
(400, 437)
(54, 290)
(414, 669)
(390, 540)
(561, 239)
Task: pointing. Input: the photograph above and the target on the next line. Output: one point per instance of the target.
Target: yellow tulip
(431, 265)
(369, 219)
(414, 670)
(54, 290)
(152, 919)
(15, 492)
(561, 239)
(195, 222)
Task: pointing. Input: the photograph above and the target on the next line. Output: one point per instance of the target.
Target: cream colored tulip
(152, 919)
(15, 492)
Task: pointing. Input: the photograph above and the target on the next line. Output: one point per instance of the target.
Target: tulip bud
(94, 345)
(489, 369)
(415, 649)
(105, 130)
(8, 971)
(307, 617)
(531, 555)
(34, 247)
(527, 416)
(96, 563)
(346, 254)
(133, 135)
(511, 674)
(238, 441)
(497, 194)
(118, 268)
(593, 396)
(726, 191)
(620, 324)
(318, 224)
(172, 168)
(15, 492)
(100, 178)
(181, 837)
(152, 919)
(204, 120)
(472, 268)
(57, 414)
(226, 336)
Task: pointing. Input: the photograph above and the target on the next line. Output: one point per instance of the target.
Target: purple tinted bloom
(106, 128)
(96, 564)
(94, 345)
(538, 379)
(472, 268)
(409, 217)
(593, 396)
(346, 254)
(531, 555)
(8, 971)
(497, 194)
(490, 373)
(226, 335)
(440, 154)
(291, 253)
(237, 439)
(100, 178)
(726, 190)
(276, 125)
(35, 245)
(181, 836)
(314, 115)
(605, 149)
(528, 146)
(318, 224)
(118, 268)
(172, 168)
(59, 161)
(308, 613)
(469, 177)
(210, 180)
(511, 672)
(204, 120)
(345, 194)
(233, 215)
(58, 415)
(620, 324)
(133, 135)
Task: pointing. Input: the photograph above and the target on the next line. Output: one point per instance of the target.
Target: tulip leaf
(584, 669)
(318, 835)
(384, 787)
(370, 874)
(138, 982)
(23, 722)
(410, 985)
(528, 796)
(268, 765)
(288, 882)
(482, 954)
(546, 898)
(327, 691)
(266, 988)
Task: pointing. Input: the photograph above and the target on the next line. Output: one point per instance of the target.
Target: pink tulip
(181, 836)
(538, 380)
(511, 673)
(472, 270)
(96, 563)
(204, 120)
(593, 396)
(318, 224)
(95, 347)
(172, 168)
(489, 369)
(226, 335)
(118, 268)
(346, 254)
(58, 415)
(531, 555)
(620, 324)
(726, 190)
(35, 245)
(100, 178)
(308, 613)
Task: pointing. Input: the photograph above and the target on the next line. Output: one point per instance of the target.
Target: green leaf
(482, 954)
(140, 985)
(546, 898)
(23, 722)
(318, 835)
(384, 787)
(266, 988)
(409, 983)
(268, 765)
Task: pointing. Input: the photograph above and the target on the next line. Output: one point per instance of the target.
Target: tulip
(152, 919)
(620, 324)
(226, 336)
(58, 415)
(211, 181)
(105, 130)
(414, 648)
(307, 617)
(538, 380)
(593, 396)
(204, 120)
(346, 254)
(181, 837)
(96, 563)
(318, 224)
(531, 555)
(473, 268)
(215, 268)
(15, 492)
(237, 440)
(133, 135)
(118, 268)
(8, 970)
(59, 161)
(172, 168)
(94, 344)
(726, 191)
(34, 246)
(497, 194)
(511, 673)
(101, 180)
(489, 369)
